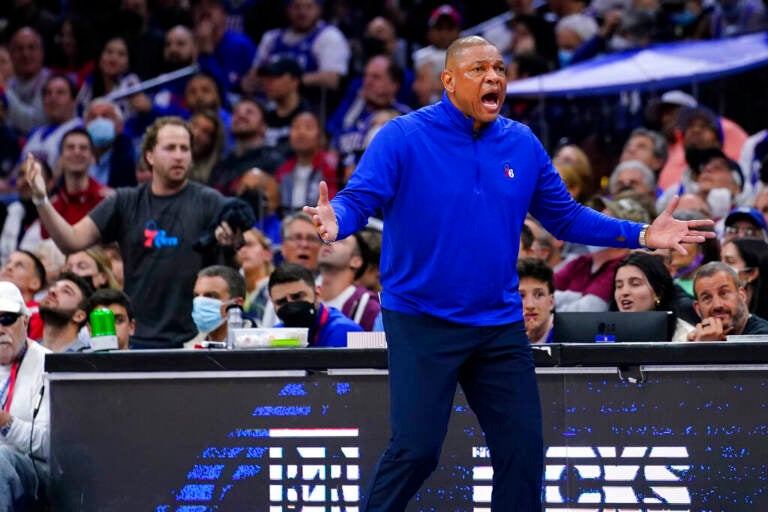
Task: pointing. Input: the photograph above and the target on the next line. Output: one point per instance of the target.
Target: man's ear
(743, 294)
(36, 283)
(446, 77)
(696, 308)
(79, 316)
(355, 262)
(238, 300)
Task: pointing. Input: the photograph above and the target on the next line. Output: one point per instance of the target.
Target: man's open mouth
(491, 100)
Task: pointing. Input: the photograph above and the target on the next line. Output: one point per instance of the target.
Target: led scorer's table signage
(684, 439)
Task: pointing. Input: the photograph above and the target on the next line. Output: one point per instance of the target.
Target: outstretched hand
(323, 216)
(33, 172)
(666, 232)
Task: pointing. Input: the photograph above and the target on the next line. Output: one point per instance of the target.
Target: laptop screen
(612, 326)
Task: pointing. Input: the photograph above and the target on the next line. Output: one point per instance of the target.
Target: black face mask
(298, 314)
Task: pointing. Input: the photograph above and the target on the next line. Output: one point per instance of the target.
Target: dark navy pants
(494, 365)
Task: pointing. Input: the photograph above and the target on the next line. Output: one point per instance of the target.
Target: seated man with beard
(721, 302)
(63, 312)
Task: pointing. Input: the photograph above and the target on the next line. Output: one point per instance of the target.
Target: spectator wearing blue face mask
(115, 158)
(216, 288)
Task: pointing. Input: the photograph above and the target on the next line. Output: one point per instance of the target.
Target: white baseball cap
(679, 98)
(11, 300)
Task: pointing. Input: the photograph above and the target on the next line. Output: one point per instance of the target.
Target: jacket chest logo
(509, 172)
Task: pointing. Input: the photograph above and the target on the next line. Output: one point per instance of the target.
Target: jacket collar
(461, 120)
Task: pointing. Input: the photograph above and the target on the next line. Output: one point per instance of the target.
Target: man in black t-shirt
(156, 225)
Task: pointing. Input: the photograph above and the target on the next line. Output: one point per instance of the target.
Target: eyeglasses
(743, 231)
(7, 319)
(310, 239)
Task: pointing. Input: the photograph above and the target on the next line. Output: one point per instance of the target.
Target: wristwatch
(641, 238)
(7, 427)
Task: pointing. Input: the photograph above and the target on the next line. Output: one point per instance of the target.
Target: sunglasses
(7, 319)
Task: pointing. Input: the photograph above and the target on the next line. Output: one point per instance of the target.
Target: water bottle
(103, 333)
(234, 321)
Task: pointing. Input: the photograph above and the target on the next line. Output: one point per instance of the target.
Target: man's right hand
(33, 170)
(709, 329)
(323, 216)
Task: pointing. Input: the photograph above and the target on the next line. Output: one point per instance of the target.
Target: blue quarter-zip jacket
(454, 202)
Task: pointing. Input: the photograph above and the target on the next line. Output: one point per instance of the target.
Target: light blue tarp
(658, 67)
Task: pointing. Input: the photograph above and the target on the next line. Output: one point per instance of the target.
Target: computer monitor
(610, 326)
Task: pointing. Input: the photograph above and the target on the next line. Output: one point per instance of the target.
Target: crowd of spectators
(109, 108)
(281, 95)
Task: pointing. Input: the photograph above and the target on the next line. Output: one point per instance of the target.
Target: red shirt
(323, 161)
(74, 207)
(577, 276)
(35, 327)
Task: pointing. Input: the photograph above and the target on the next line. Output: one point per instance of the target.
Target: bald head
(459, 45)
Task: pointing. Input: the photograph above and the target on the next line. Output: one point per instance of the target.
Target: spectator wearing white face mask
(712, 176)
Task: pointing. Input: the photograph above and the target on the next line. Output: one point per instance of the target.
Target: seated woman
(749, 258)
(642, 283)
(255, 260)
(94, 265)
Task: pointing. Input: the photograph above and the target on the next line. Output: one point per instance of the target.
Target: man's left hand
(226, 236)
(666, 232)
